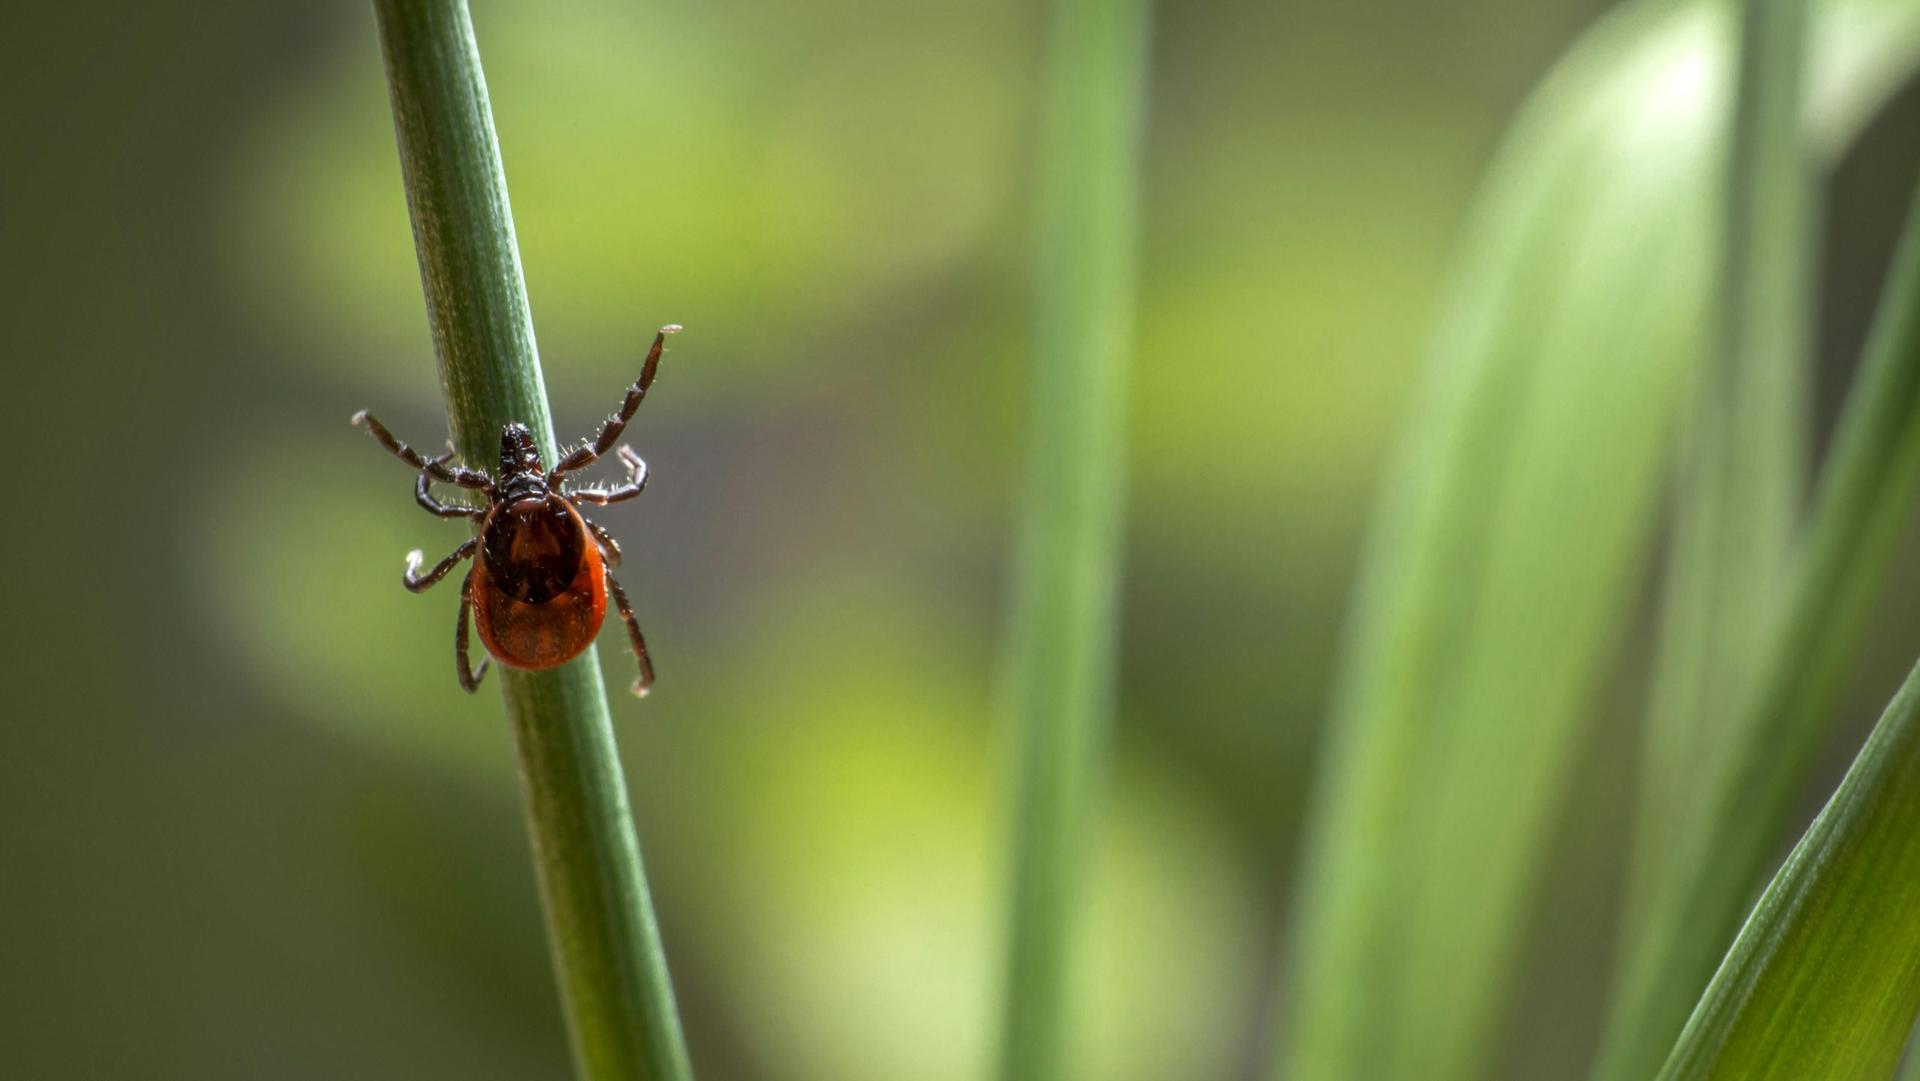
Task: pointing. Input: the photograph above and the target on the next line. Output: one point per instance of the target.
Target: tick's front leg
(420, 583)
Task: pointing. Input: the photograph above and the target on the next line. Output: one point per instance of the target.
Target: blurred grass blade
(1824, 979)
(1514, 521)
(1864, 498)
(1745, 453)
(606, 947)
(1514, 529)
(1061, 642)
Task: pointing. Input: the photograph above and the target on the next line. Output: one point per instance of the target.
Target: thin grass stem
(1061, 642)
(607, 954)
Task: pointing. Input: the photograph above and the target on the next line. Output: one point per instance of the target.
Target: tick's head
(518, 455)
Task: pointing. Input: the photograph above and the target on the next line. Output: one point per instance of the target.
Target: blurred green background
(252, 827)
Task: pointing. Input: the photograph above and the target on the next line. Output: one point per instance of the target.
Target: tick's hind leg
(420, 583)
(638, 640)
(469, 677)
(609, 548)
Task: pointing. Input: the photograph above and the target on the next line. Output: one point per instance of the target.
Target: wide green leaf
(1824, 979)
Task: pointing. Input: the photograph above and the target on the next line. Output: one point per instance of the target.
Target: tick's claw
(358, 418)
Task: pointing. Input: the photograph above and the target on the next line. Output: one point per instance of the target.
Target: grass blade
(612, 971)
(1824, 979)
(1861, 504)
(1516, 515)
(1061, 641)
(1514, 526)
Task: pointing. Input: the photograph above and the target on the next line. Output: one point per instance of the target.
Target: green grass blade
(1824, 979)
(1515, 517)
(612, 972)
(1061, 641)
(1862, 502)
(1514, 528)
(1736, 504)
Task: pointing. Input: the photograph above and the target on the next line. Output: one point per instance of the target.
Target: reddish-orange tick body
(538, 591)
(539, 587)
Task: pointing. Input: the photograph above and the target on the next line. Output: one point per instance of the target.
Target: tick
(538, 590)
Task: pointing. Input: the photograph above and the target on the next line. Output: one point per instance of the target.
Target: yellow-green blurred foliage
(253, 828)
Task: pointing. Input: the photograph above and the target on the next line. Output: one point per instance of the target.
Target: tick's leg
(609, 432)
(645, 679)
(419, 583)
(636, 483)
(609, 548)
(469, 677)
(423, 495)
(433, 467)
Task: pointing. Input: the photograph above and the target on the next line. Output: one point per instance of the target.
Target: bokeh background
(249, 826)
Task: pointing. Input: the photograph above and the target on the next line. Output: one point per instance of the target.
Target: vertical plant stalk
(1061, 642)
(1737, 503)
(606, 945)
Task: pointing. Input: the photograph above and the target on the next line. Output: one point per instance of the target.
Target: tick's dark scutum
(533, 548)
